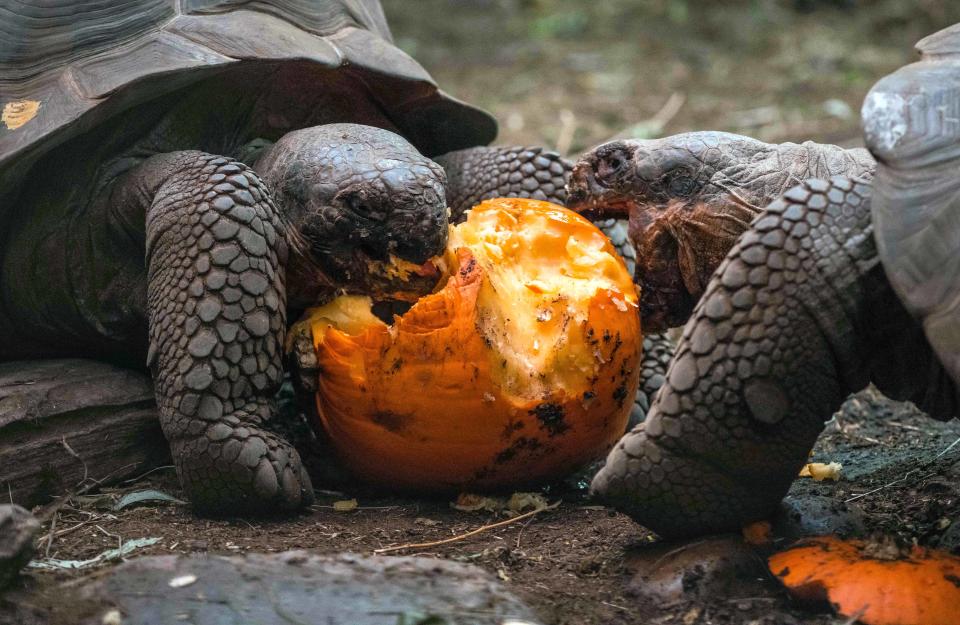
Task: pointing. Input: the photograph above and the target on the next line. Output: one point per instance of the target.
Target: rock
(62, 421)
(721, 567)
(295, 587)
(950, 539)
(815, 515)
(18, 528)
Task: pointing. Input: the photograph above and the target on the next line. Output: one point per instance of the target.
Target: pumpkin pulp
(520, 367)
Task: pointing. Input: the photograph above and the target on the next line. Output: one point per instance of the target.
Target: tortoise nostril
(610, 166)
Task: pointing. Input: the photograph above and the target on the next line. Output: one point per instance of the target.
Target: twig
(945, 451)
(484, 528)
(66, 445)
(143, 475)
(111, 535)
(906, 475)
(523, 527)
(65, 531)
(53, 526)
(95, 482)
(319, 507)
(905, 426)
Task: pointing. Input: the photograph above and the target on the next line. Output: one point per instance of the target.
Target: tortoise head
(367, 211)
(688, 197)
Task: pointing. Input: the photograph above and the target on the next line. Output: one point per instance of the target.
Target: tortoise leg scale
(773, 348)
(482, 173)
(216, 252)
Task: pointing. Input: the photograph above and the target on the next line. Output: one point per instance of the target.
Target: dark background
(570, 73)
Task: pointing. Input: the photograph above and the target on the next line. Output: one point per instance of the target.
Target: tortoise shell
(69, 66)
(911, 122)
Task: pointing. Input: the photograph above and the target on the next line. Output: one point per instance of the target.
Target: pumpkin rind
(441, 402)
(922, 588)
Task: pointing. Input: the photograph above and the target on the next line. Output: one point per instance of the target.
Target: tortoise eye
(361, 206)
(681, 185)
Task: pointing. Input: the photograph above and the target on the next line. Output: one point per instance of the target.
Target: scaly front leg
(482, 173)
(216, 252)
(797, 316)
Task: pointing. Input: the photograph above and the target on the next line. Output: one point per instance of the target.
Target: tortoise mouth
(588, 197)
(399, 279)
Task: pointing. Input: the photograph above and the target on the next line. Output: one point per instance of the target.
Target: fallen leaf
(142, 496)
(468, 502)
(111, 554)
(517, 504)
(521, 502)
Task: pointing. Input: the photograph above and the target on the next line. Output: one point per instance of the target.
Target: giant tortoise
(837, 284)
(179, 177)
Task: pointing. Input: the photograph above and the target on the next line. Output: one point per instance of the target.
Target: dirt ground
(572, 564)
(570, 74)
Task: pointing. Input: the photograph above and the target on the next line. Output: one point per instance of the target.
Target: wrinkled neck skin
(703, 228)
(689, 197)
(747, 177)
(758, 176)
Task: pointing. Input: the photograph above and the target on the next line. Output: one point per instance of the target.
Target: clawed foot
(242, 470)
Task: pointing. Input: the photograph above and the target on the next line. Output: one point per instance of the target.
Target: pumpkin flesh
(520, 368)
(916, 587)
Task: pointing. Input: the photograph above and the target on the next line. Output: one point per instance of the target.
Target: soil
(573, 564)
(569, 74)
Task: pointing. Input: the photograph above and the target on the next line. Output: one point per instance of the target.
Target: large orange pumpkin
(878, 584)
(520, 368)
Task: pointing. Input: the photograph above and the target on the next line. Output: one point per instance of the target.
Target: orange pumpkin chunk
(520, 368)
(876, 584)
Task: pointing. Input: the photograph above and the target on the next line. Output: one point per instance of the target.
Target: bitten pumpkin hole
(536, 311)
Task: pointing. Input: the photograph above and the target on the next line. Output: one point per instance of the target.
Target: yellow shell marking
(16, 114)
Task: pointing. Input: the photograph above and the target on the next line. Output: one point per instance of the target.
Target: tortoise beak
(589, 198)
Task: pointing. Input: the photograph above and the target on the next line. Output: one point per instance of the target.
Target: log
(71, 424)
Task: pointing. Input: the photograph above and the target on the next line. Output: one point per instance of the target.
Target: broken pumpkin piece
(872, 582)
(481, 384)
(820, 471)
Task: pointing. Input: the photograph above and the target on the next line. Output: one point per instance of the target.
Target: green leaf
(111, 554)
(142, 496)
